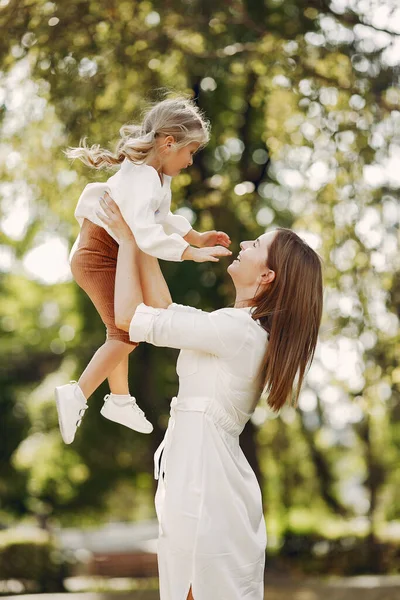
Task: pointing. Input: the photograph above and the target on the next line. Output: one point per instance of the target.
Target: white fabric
(208, 501)
(145, 205)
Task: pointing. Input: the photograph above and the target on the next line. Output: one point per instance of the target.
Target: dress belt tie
(158, 467)
(202, 404)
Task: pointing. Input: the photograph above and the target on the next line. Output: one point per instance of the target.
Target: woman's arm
(154, 287)
(138, 275)
(128, 290)
(222, 333)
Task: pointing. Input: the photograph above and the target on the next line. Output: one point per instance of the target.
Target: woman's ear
(267, 277)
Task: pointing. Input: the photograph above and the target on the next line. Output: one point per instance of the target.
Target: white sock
(120, 399)
(81, 394)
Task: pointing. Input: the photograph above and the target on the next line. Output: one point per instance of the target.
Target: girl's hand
(205, 254)
(112, 217)
(214, 238)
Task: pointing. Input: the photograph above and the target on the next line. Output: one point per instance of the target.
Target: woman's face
(250, 267)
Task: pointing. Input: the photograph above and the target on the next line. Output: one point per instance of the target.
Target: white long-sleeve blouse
(145, 204)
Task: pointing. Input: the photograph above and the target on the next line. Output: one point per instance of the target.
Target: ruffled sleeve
(176, 224)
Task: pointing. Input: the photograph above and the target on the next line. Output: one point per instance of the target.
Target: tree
(305, 114)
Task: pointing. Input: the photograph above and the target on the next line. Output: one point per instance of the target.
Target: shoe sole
(124, 424)
(64, 436)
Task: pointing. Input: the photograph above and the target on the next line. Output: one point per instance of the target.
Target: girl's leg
(93, 266)
(156, 294)
(106, 363)
(103, 364)
(71, 398)
(118, 379)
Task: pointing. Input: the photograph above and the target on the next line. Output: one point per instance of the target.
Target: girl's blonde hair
(178, 116)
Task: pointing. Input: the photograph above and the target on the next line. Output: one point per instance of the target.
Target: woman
(212, 533)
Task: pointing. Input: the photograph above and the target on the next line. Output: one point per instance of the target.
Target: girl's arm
(138, 207)
(193, 237)
(178, 224)
(207, 238)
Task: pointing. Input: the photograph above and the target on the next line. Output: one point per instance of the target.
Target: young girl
(150, 155)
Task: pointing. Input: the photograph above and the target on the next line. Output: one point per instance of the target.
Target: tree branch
(325, 477)
(348, 18)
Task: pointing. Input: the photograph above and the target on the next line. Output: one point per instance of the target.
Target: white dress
(145, 204)
(208, 501)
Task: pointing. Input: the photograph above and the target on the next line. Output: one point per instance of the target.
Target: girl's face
(173, 161)
(250, 267)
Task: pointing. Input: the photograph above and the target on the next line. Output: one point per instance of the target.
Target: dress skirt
(212, 531)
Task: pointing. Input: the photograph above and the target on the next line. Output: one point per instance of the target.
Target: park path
(355, 588)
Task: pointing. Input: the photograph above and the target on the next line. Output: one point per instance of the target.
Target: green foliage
(309, 554)
(305, 114)
(32, 558)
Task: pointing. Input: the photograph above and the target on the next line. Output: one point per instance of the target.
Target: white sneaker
(71, 406)
(125, 411)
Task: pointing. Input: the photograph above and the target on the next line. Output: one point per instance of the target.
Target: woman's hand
(112, 217)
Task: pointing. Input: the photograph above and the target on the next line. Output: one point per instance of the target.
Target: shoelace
(138, 410)
(81, 411)
(81, 415)
(133, 404)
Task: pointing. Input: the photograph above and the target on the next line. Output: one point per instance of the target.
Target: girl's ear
(169, 141)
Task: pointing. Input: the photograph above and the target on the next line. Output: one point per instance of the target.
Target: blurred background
(304, 102)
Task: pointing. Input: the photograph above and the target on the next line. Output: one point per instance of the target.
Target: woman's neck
(244, 297)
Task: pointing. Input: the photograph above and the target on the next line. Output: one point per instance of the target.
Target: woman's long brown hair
(290, 309)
